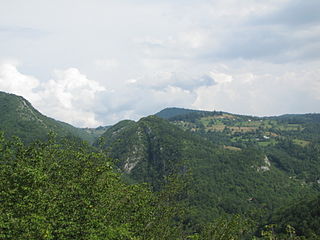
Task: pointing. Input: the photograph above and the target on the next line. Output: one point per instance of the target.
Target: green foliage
(221, 181)
(298, 161)
(66, 191)
(168, 113)
(147, 150)
(208, 168)
(232, 228)
(303, 217)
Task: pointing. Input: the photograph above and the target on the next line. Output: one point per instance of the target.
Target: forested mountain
(19, 118)
(290, 141)
(168, 113)
(209, 175)
(221, 180)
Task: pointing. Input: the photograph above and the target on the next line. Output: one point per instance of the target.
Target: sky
(96, 62)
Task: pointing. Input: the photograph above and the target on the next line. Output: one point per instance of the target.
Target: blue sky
(96, 62)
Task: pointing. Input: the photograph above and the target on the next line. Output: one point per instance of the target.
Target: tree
(51, 190)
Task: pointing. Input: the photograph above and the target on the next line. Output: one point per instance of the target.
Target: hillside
(148, 150)
(225, 164)
(19, 118)
(241, 129)
(303, 216)
(221, 180)
(290, 141)
(168, 113)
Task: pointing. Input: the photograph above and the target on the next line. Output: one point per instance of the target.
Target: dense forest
(65, 190)
(68, 190)
(181, 174)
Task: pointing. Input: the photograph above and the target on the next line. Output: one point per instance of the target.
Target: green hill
(221, 180)
(227, 164)
(290, 141)
(19, 118)
(168, 113)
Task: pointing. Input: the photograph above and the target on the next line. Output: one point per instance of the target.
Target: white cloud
(221, 77)
(246, 88)
(69, 96)
(248, 56)
(72, 96)
(295, 89)
(12, 81)
(163, 79)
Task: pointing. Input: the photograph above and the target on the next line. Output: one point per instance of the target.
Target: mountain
(228, 163)
(168, 113)
(290, 141)
(96, 132)
(19, 118)
(221, 179)
(148, 150)
(239, 129)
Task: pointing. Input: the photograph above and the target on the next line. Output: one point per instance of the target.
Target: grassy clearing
(289, 127)
(239, 139)
(218, 127)
(185, 125)
(248, 124)
(243, 129)
(206, 120)
(232, 148)
(300, 142)
(267, 143)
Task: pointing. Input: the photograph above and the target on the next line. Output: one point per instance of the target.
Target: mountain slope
(19, 118)
(292, 141)
(148, 150)
(221, 181)
(168, 113)
(303, 216)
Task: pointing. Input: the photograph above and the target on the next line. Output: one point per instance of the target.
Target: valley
(206, 165)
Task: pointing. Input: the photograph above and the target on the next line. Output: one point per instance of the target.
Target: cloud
(295, 13)
(180, 45)
(221, 77)
(246, 88)
(12, 81)
(7, 31)
(273, 31)
(285, 34)
(259, 92)
(132, 58)
(69, 96)
(162, 80)
(107, 64)
(135, 99)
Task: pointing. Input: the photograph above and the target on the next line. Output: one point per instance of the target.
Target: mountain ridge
(19, 118)
(152, 149)
(231, 164)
